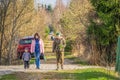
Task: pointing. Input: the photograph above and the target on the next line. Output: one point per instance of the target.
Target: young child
(26, 58)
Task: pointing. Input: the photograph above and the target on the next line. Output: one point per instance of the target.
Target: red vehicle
(23, 43)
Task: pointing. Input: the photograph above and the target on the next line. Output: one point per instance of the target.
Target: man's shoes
(57, 69)
(62, 67)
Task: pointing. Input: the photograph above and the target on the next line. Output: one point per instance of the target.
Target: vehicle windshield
(25, 41)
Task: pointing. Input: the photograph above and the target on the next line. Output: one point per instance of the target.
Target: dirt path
(45, 67)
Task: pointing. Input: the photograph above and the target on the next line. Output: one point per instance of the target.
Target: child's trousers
(26, 64)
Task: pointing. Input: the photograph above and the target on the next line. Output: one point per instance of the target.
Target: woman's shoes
(37, 68)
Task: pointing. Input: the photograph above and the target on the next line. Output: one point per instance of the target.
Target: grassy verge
(9, 77)
(76, 60)
(84, 74)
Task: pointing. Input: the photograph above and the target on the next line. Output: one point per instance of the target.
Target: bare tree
(13, 17)
(58, 12)
(4, 5)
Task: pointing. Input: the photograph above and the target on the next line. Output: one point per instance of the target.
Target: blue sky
(51, 2)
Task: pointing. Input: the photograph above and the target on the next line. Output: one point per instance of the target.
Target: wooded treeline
(18, 18)
(92, 27)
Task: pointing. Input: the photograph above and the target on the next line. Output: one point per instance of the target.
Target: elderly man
(58, 47)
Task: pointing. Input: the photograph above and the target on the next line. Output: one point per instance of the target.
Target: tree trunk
(1, 44)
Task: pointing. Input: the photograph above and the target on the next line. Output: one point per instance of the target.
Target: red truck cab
(24, 43)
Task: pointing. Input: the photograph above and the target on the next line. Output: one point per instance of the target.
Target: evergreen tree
(105, 32)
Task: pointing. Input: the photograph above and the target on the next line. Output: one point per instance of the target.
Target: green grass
(90, 74)
(32, 61)
(67, 53)
(84, 74)
(66, 56)
(9, 77)
(76, 60)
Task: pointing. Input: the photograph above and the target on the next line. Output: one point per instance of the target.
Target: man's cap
(58, 33)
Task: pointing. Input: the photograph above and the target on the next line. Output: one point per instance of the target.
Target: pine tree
(105, 32)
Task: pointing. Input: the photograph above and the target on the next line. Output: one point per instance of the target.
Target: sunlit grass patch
(80, 74)
(9, 77)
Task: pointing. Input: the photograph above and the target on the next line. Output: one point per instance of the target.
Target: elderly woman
(37, 47)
